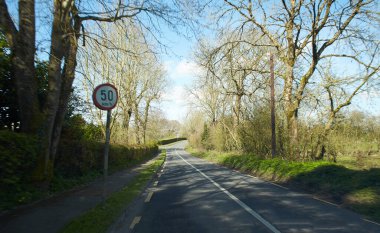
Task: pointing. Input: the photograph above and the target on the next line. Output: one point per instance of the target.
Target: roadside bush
(76, 128)
(18, 158)
(93, 132)
(168, 141)
(122, 156)
(77, 162)
(76, 158)
(218, 137)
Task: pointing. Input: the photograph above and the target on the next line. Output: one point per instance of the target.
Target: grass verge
(355, 189)
(100, 218)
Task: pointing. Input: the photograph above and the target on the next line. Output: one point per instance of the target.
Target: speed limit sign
(105, 96)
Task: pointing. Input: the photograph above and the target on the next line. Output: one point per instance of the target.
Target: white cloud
(187, 68)
(176, 94)
(176, 103)
(176, 98)
(182, 70)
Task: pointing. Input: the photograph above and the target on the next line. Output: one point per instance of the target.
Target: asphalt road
(192, 195)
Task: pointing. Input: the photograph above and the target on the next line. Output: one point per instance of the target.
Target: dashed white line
(135, 221)
(234, 198)
(147, 199)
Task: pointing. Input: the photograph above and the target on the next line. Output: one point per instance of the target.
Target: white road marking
(277, 185)
(234, 198)
(135, 221)
(147, 199)
(155, 183)
(316, 198)
(371, 222)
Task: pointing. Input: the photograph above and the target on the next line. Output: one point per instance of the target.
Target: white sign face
(105, 96)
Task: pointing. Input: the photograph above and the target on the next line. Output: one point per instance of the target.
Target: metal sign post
(107, 144)
(272, 106)
(105, 98)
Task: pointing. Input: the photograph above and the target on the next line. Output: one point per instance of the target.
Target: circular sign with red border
(105, 96)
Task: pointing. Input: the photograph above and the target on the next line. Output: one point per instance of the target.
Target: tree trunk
(145, 123)
(64, 45)
(291, 110)
(67, 82)
(237, 109)
(293, 126)
(126, 122)
(320, 150)
(24, 70)
(137, 124)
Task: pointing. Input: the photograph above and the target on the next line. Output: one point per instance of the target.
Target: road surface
(192, 195)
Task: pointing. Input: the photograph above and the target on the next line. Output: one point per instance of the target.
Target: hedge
(171, 140)
(76, 162)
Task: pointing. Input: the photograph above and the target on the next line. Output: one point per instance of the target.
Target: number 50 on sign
(105, 96)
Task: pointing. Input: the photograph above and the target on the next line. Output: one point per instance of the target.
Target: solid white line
(278, 185)
(135, 221)
(234, 198)
(371, 221)
(316, 198)
(150, 194)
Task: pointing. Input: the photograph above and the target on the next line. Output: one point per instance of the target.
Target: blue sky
(181, 74)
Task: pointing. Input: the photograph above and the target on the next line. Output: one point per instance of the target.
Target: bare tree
(132, 65)
(339, 93)
(236, 68)
(305, 32)
(234, 73)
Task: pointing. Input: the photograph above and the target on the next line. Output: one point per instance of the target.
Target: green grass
(365, 201)
(354, 188)
(60, 183)
(360, 162)
(100, 218)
